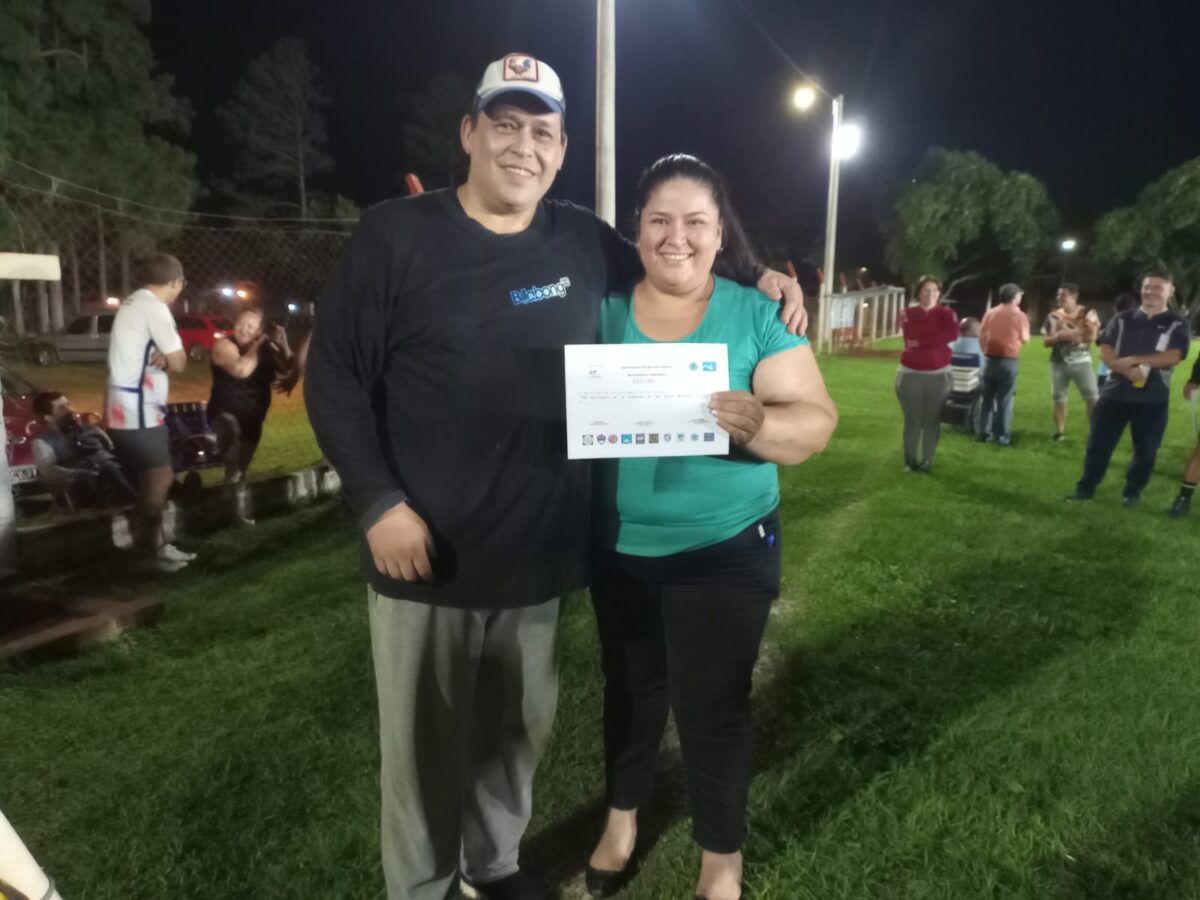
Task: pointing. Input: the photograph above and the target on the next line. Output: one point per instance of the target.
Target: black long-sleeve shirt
(435, 376)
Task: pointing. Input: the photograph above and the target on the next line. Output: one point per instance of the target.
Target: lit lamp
(845, 141)
(1067, 245)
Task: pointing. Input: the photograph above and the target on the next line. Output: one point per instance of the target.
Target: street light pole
(606, 119)
(823, 303)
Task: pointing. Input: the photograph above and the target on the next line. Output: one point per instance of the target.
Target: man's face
(1156, 292)
(1067, 300)
(247, 327)
(61, 414)
(515, 153)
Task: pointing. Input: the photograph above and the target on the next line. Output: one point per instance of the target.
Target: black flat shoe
(602, 883)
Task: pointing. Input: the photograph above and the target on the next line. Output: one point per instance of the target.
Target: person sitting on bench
(68, 453)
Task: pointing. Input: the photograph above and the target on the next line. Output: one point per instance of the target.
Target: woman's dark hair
(736, 260)
(924, 280)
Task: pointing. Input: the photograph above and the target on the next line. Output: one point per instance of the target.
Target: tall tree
(81, 97)
(431, 143)
(962, 218)
(275, 123)
(1160, 229)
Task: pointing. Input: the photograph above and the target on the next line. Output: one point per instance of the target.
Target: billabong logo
(524, 296)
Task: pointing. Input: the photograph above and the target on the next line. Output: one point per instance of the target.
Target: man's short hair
(1070, 288)
(43, 401)
(1010, 292)
(1158, 273)
(158, 268)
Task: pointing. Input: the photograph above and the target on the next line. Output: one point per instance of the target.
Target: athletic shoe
(517, 886)
(170, 551)
(1004, 441)
(1180, 508)
(1058, 436)
(925, 468)
(909, 468)
(158, 565)
(1131, 500)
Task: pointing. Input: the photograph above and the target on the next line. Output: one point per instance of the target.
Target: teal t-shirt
(664, 505)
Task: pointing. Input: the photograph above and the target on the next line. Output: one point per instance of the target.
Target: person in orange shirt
(1005, 328)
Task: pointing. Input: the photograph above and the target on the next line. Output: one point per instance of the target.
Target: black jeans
(1147, 424)
(681, 633)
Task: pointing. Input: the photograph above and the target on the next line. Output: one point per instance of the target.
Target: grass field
(969, 689)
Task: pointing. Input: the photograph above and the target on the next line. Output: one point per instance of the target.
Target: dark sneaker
(1058, 436)
(1077, 494)
(983, 439)
(1180, 508)
(1131, 500)
(925, 468)
(517, 886)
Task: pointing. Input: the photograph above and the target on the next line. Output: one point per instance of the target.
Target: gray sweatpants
(922, 395)
(466, 704)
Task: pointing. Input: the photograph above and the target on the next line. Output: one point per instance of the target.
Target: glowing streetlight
(847, 140)
(242, 295)
(1067, 245)
(804, 97)
(226, 292)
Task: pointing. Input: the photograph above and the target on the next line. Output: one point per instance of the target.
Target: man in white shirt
(144, 346)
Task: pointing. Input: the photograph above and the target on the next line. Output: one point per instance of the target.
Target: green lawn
(970, 689)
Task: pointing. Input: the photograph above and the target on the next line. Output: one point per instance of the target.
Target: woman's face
(679, 233)
(929, 294)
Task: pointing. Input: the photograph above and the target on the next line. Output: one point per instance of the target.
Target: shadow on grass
(1152, 855)
(837, 715)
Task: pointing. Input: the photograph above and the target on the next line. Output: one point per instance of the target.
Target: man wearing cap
(1141, 347)
(435, 387)
(1004, 330)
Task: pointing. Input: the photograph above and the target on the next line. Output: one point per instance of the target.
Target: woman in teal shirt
(689, 561)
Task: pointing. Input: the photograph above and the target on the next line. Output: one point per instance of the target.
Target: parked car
(21, 425)
(85, 339)
(200, 332)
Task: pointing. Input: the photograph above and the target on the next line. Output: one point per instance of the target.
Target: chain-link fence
(228, 261)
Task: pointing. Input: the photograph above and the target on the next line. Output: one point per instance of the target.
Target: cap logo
(520, 68)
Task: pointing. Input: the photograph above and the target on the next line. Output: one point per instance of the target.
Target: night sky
(1095, 99)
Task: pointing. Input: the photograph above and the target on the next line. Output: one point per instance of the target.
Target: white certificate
(644, 400)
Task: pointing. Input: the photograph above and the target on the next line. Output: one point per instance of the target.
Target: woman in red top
(923, 382)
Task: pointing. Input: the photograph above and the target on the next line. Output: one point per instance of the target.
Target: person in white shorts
(144, 346)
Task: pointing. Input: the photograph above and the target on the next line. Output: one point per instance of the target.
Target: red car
(200, 332)
(21, 424)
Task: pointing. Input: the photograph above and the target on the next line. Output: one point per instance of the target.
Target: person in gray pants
(434, 386)
(924, 379)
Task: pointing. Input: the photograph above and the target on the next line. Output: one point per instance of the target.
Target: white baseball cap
(520, 73)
